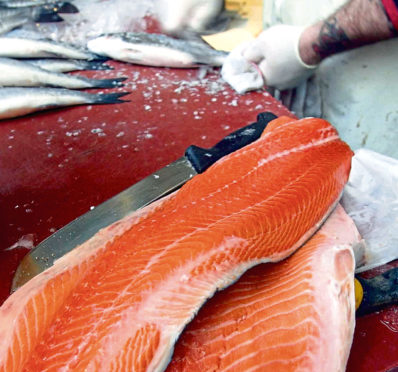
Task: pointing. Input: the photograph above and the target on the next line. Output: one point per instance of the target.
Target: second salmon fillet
(120, 301)
(294, 315)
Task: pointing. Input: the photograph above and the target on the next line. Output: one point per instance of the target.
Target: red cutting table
(55, 166)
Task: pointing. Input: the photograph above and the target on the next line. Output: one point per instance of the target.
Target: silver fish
(11, 18)
(9, 23)
(14, 47)
(16, 102)
(15, 73)
(156, 50)
(67, 65)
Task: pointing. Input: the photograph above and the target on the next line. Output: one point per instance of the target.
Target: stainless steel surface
(144, 192)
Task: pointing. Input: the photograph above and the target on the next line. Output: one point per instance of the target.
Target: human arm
(357, 23)
(287, 55)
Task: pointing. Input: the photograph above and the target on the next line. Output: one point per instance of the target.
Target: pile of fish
(120, 301)
(29, 66)
(27, 63)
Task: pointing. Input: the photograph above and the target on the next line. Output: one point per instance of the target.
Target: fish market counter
(57, 165)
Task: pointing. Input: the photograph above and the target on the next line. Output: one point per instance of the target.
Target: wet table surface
(55, 166)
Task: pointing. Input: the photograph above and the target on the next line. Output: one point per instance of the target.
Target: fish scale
(115, 288)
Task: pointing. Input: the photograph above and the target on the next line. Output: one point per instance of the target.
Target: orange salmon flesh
(120, 301)
(294, 315)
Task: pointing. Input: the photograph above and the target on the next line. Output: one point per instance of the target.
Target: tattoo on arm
(358, 22)
(332, 39)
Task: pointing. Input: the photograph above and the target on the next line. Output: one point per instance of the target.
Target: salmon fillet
(120, 301)
(295, 315)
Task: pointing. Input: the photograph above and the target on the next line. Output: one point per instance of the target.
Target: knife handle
(201, 158)
(378, 292)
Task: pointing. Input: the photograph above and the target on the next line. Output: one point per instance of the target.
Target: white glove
(239, 73)
(180, 15)
(276, 53)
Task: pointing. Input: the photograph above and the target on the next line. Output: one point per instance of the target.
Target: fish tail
(97, 65)
(44, 15)
(107, 83)
(67, 8)
(109, 98)
(98, 57)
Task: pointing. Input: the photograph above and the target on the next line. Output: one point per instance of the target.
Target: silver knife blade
(144, 192)
(159, 184)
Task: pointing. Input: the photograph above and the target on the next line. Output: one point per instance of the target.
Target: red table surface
(54, 166)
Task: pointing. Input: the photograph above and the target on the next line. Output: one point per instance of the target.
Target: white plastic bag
(371, 199)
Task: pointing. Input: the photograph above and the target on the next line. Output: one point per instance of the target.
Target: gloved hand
(276, 53)
(239, 73)
(179, 15)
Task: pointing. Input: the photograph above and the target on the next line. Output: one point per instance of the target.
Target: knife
(164, 181)
(376, 293)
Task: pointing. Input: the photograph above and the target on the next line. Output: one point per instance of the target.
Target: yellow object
(247, 25)
(358, 293)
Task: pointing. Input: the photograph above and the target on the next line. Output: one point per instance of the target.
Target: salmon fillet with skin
(120, 301)
(294, 315)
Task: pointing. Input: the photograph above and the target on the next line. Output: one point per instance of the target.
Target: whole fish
(15, 47)
(67, 65)
(156, 50)
(15, 73)
(16, 102)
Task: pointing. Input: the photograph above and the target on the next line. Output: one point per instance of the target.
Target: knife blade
(157, 185)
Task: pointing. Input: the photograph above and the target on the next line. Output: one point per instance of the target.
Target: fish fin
(109, 98)
(98, 57)
(61, 7)
(46, 16)
(191, 36)
(97, 65)
(195, 38)
(220, 23)
(67, 8)
(107, 83)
